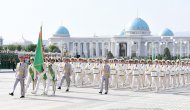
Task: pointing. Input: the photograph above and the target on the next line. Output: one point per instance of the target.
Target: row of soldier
(53, 73)
(132, 74)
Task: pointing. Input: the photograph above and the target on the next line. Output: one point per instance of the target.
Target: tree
(167, 55)
(11, 47)
(53, 48)
(1, 47)
(18, 47)
(110, 55)
(46, 50)
(31, 47)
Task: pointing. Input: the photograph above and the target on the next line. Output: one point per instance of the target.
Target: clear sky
(84, 18)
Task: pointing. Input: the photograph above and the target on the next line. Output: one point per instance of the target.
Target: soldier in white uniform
(79, 75)
(21, 72)
(162, 76)
(113, 73)
(32, 75)
(51, 77)
(67, 69)
(88, 72)
(148, 69)
(42, 77)
(129, 71)
(59, 64)
(105, 72)
(96, 73)
(121, 73)
(136, 75)
(154, 74)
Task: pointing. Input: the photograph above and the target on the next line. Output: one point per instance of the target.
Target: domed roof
(62, 31)
(138, 24)
(166, 32)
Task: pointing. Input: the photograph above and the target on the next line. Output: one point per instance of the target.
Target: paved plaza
(88, 98)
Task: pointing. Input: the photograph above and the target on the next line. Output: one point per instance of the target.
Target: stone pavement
(88, 98)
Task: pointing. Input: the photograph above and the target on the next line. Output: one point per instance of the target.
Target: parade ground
(88, 98)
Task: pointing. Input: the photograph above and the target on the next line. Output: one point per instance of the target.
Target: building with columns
(136, 40)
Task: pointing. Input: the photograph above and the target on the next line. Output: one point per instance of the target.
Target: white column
(128, 49)
(139, 46)
(145, 46)
(103, 50)
(85, 49)
(166, 44)
(173, 48)
(73, 49)
(180, 47)
(109, 48)
(68, 47)
(116, 49)
(97, 50)
(78, 48)
(91, 49)
(187, 48)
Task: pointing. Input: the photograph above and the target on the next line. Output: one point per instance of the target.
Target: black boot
(67, 90)
(12, 94)
(59, 88)
(106, 93)
(100, 92)
(22, 97)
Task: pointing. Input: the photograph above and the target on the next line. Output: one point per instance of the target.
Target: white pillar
(73, 49)
(109, 48)
(173, 48)
(103, 49)
(78, 48)
(145, 53)
(116, 49)
(91, 49)
(188, 48)
(128, 49)
(180, 47)
(139, 46)
(85, 49)
(97, 50)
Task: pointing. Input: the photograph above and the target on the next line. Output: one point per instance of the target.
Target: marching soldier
(105, 72)
(51, 77)
(128, 72)
(154, 74)
(162, 74)
(121, 73)
(113, 73)
(148, 69)
(79, 73)
(136, 74)
(67, 69)
(31, 75)
(21, 71)
(96, 73)
(88, 72)
(42, 77)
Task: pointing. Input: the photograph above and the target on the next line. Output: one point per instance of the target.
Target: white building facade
(136, 41)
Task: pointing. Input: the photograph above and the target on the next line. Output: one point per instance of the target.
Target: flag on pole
(38, 60)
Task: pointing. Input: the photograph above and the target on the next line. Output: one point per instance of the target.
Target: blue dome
(138, 24)
(62, 31)
(166, 32)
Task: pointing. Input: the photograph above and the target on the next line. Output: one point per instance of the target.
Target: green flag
(38, 60)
